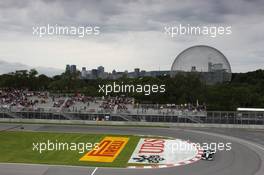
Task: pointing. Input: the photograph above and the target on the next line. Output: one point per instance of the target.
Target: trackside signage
(162, 151)
(109, 148)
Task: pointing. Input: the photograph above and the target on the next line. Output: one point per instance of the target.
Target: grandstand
(43, 105)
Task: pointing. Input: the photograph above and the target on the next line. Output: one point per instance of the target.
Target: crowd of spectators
(118, 103)
(169, 108)
(21, 98)
(71, 103)
(28, 100)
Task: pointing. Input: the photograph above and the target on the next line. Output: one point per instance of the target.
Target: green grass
(17, 147)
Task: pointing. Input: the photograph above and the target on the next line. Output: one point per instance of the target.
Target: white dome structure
(208, 61)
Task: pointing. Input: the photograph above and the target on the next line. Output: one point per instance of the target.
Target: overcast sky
(132, 32)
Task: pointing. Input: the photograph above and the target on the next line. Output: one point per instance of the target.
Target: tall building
(73, 69)
(68, 68)
(94, 73)
(100, 69)
(100, 72)
(84, 73)
(137, 72)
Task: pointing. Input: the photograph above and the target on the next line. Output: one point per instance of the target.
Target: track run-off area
(245, 158)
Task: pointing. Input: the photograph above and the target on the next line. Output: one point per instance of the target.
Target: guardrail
(209, 117)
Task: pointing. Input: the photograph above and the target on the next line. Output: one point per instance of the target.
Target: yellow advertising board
(107, 151)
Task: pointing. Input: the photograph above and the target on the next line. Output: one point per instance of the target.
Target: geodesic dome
(203, 59)
(200, 56)
(209, 62)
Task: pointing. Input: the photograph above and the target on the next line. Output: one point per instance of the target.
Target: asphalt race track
(245, 158)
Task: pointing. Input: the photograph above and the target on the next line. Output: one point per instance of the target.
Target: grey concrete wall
(86, 122)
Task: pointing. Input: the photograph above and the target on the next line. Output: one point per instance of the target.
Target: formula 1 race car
(208, 154)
